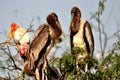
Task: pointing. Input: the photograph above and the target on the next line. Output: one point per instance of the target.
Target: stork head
(75, 13)
(75, 19)
(11, 30)
(23, 50)
(52, 20)
(13, 27)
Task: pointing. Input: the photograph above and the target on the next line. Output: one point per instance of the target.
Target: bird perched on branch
(41, 44)
(18, 34)
(20, 37)
(80, 33)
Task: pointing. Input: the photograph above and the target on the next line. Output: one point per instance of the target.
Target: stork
(81, 34)
(41, 44)
(20, 36)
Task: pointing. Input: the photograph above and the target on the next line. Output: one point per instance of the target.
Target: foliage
(101, 6)
(108, 69)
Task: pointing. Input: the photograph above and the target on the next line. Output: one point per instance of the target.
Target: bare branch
(8, 42)
(10, 56)
(28, 30)
(99, 28)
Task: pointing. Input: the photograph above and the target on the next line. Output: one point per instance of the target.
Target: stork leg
(77, 64)
(43, 75)
(37, 76)
(86, 67)
(43, 67)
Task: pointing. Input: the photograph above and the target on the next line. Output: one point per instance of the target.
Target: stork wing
(39, 42)
(71, 40)
(89, 38)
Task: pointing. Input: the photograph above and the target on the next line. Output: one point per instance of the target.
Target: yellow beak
(9, 34)
(57, 22)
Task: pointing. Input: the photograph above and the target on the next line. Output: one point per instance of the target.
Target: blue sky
(23, 11)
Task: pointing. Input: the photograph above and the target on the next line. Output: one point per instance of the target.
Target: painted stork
(41, 44)
(81, 33)
(19, 35)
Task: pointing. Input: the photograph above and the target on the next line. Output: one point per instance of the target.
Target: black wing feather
(88, 36)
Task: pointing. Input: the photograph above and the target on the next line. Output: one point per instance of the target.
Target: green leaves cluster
(67, 62)
(107, 69)
(101, 6)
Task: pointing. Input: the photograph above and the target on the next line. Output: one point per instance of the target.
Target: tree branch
(10, 56)
(99, 28)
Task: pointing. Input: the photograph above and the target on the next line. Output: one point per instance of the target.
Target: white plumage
(21, 36)
(78, 38)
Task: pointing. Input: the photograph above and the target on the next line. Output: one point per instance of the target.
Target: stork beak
(58, 23)
(9, 34)
(72, 15)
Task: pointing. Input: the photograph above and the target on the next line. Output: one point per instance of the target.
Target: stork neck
(75, 26)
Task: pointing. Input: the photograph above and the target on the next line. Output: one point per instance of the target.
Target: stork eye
(78, 11)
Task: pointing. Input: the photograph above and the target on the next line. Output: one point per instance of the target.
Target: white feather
(21, 35)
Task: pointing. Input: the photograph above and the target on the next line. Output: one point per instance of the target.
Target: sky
(23, 11)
